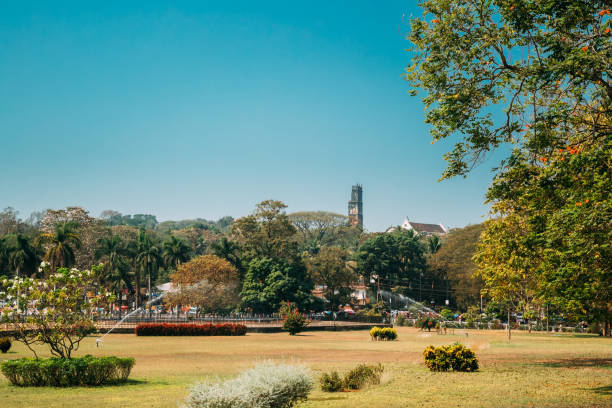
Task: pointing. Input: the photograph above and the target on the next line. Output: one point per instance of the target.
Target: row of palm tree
(127, 262)
(24, 255)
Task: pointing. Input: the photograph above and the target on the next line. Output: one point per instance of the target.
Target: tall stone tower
(355, 206)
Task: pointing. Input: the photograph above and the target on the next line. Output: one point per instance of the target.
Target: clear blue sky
(203, 109)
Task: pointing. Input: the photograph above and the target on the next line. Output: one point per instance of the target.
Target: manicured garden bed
(187, 329)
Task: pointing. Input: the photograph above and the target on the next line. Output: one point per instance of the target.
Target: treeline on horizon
(277, 256)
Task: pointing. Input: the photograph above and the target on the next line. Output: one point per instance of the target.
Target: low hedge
(386, 333)
(188, 329)
(58, 372)
(454, 356)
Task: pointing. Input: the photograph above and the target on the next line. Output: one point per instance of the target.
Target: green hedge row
(57, 372)
(189, 329)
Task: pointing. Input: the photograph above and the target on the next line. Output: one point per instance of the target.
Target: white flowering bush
(267, 385)
(57, 311)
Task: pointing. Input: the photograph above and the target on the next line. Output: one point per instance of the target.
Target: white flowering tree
(57, 311)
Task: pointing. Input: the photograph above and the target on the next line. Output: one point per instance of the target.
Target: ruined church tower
(355, 206)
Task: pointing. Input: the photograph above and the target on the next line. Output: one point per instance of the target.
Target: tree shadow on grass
(578, 362)
(330, 398)
(605, 390)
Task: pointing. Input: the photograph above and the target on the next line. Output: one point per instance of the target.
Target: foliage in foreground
(267, 385)
(5, 344)
(59, 372)
(383, 334)
(547, 244)
(59, 309)
(181, 329)
(455, 356)
(355, 379)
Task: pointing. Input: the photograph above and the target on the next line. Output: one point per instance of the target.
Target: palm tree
(147, 258)
(22, 256)
(433, 244)
(62, 243)
(176, 251)
(116, 276)
(228, 250)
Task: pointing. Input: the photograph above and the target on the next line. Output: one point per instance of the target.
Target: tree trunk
(150, 297)
(137, 278)
(509, 327)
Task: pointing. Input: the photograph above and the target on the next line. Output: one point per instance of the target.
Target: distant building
(427, 229)
(355, 206)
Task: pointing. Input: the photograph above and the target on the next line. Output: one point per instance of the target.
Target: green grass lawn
(533, 370)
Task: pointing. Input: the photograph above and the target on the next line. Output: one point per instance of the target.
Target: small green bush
(295, 322)
(426, 322)
(363, 375)
(58, 372)
(331, 382)
(383, 334)
(400, 320)
(454, 356)
(5, 344)
(355, 379)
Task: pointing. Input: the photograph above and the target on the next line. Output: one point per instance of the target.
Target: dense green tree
(268, 282)
(61, 245)
(331, 268)
(4, 255)
(115, 276)
(23, 257)
(393, 259)
(148, 258)
(267, 233)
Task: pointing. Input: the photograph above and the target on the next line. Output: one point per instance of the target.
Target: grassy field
(533, 370)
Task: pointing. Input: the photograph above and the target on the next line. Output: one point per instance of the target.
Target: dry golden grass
(533, 370)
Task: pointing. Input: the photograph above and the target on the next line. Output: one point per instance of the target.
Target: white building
(421, 228)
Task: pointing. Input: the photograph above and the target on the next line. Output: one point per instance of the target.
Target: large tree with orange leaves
(206, 281)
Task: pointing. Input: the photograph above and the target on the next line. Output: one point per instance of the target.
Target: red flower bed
(188, 329)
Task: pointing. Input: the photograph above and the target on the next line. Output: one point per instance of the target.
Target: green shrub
(295, 322)
(454, 356)
(426, 322)
(447, 314)
(375, 332)
(5, 344)
(267, 385)
(331, 382)
(400, 320)
(363, 375)
(59, 372)
(387, 333)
